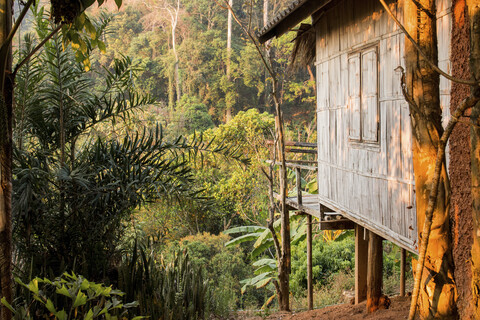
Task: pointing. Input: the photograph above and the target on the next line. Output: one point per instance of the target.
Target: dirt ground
(398, 310)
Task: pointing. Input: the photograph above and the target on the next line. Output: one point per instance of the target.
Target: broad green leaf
(80, 299)
(85, 285)
(6, 304)
(101, 46)
(312, 187)
(244, 288)
(244, 238)
(269, 300)
(61, 315)
(64, 291)
(266, 268)
(89, 315)
(263, 262)
(265, 234)
(245, 229)
(259, 250)
(33, 286)
(260, 277)
(263, 283)
(50, 307)
(118, 3)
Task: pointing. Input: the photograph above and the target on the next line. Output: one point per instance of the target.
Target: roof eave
(287, 19)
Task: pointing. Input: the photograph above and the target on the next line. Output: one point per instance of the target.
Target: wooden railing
(298, 165)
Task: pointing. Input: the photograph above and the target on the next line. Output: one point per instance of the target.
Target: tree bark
(437, 290)
(474, 19)
(228, 93)
(6, 145)
(284, 263)
(173, 12)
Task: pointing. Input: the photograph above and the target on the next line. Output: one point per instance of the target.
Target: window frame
(360, 140)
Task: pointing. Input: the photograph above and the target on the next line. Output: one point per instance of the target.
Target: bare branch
(38, 47)
(417, 47)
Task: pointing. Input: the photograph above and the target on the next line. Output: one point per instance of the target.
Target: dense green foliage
(173, 289)
(224, 267)
(69, 297)
(70, 177)
(143, 31)
(328, 258)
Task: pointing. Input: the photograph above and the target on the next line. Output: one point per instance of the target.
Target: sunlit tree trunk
(266, 12)
(6, 119)
(228, 94)
(437, 289)
(474, 18)
(173, 11)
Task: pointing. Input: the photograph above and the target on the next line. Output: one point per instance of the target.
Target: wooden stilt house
(365, 170)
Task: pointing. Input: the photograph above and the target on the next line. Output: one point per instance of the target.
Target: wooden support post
(309, 263)
(403, 261)
(361, 263)
(298, 175)
(374, 272)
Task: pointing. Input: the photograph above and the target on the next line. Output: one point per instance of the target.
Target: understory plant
(263, 252)
(175, 290)
(70, 296)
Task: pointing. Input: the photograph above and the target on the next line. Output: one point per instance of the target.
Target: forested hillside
(181, 47)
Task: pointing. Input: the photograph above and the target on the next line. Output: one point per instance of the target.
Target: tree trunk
(475, 158)
(267, 55)
(437, 290)
(6, 145)
(459, 165)
(174, 20)
(474, 18)
(284, 263)
(228, 94)
(171, 94)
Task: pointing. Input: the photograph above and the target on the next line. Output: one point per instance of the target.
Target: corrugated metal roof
(295, 13)
(279, 17)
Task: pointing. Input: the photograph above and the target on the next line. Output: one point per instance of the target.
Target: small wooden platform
(329, 219)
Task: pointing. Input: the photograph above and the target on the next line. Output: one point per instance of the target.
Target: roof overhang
(295, 13)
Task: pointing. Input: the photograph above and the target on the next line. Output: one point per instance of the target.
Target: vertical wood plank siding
(368, 175)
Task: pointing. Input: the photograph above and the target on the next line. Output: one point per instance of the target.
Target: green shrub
(328, 258)
(224, 267)
(68, 297)
(193, 115)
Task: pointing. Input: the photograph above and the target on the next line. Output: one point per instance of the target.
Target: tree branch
(417, 47)
(38, 47)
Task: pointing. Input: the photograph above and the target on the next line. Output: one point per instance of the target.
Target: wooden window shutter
(369, 96)
(354, 96)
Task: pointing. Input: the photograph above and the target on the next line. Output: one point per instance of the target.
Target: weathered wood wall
(370, 182)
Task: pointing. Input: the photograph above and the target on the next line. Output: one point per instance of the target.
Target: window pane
(354, 96)
(369, 96)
